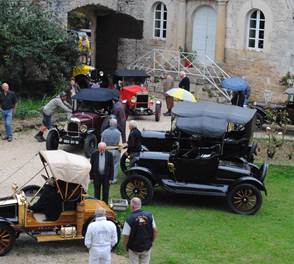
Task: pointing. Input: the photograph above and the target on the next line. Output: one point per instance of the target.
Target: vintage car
(278, 109)
(135, 95)
(237, 139)
(71, 176)
(83, 75)
(84, 126)
(199, 168)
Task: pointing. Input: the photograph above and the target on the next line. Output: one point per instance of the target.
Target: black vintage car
(237, 140)
(84, 126)
(199, 168)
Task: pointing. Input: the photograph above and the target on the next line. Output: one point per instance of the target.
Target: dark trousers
(98, 183)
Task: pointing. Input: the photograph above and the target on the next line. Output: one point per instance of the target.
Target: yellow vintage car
(70, 175)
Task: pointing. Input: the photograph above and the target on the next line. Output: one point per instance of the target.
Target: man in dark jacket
(101, 171)
(134, 139)
(185, 81)
(139, 233)
(49, 203)
(7, 105)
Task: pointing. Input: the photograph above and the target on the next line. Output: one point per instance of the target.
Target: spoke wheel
(90, 145)
(7, 238)
(137, 186)
(245, 199)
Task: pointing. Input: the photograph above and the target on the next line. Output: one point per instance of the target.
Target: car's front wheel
(7, 238)
(245, 199)
(137, 186)
(90, 145)
(52, 140)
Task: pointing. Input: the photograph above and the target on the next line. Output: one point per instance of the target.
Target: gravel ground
(14, 155)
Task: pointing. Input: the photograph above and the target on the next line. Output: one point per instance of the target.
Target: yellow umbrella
(181, 94)
(82, 70)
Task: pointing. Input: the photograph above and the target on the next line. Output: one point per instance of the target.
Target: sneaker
(167, 113)
(114, 181)
(4, 138)
(9, 139)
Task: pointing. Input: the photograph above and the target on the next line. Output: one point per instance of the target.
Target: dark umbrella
(235, 84)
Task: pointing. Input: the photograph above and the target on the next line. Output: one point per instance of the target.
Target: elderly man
(134, 140)
(111, 136)
(185, 81)
(100, 237)
(139, 233)
(101, 171)
(8, 105)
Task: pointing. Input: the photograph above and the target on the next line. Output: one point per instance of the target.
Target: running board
(194, 188)
(48, 238)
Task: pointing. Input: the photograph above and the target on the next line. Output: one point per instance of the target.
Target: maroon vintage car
(84, 126)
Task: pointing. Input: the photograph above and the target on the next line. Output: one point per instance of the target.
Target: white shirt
(101, 234)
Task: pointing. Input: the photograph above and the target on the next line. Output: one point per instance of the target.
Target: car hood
(154, 155)
(84, 116)
(153, 134)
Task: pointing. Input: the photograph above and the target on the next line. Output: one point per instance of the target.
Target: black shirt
(134, 141)
(7, 101)
(185, 83)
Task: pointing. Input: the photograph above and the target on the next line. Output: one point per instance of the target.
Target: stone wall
(263, 68)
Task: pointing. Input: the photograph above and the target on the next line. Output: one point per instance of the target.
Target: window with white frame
(160, 21)
(256, 27)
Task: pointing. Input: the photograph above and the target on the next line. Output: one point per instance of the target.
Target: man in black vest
(185, 81)
(139, 233)
(101, 171)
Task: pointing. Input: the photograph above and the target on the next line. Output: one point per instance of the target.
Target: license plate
(67, 141)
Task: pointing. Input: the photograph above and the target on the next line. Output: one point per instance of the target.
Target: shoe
(167, 113)
(4, 138)
(39, 138)
(9, 139)
(114, 182)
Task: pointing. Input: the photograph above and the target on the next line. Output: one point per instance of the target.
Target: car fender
(142, 171)
(91, 131)
(260, 110)
(257, 183)
(56, 130)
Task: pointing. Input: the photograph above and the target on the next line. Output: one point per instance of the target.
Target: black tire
(245, 199)
(259, 121)
(7, 238)
(124, 163)
(90, 145)
(31, 190)
(52, 140)
(137, 186)
(157, 112)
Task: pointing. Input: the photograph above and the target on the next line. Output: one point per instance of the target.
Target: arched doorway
(204, 31)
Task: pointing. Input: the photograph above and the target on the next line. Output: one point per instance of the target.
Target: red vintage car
(135, 95)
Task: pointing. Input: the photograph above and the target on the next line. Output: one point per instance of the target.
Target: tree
(33, 46)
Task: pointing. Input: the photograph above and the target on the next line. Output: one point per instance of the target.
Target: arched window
(256, 27)
(160, 21)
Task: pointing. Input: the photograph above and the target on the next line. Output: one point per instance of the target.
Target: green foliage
(78, 20)
(29, 108)
(287, 80)
(33, 46)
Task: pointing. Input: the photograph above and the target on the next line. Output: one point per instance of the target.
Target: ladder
(198, 67)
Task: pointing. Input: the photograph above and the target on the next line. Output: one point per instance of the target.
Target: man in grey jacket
(111, 136)
(48, 111)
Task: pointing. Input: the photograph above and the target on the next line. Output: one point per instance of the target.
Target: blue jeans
(7, 117)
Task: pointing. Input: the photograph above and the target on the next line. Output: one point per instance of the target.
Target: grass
(202, 230)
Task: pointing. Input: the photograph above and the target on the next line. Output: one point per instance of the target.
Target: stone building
(251, 38)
